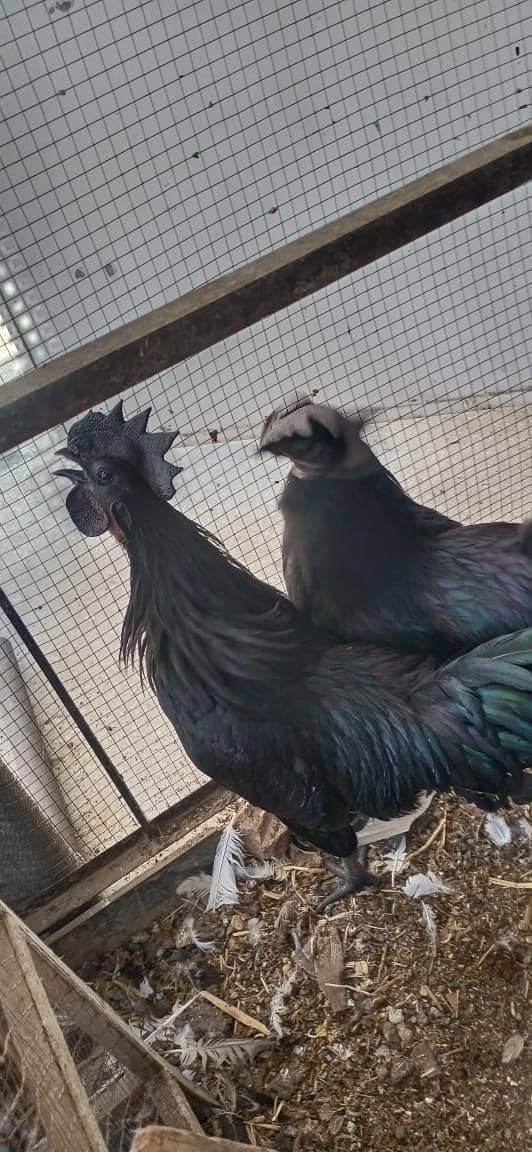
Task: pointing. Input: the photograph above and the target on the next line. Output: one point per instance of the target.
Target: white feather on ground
(429, 921)
(524, 828)
(278, 1007)
(229, 856)
(419, 886)
(257, 870)
(255, 927)
(145, 989)
(217, 1052)
(395, 860)
(497, 830)
(304, 954)
(195, 886)
(165, 1028)
(187, 935)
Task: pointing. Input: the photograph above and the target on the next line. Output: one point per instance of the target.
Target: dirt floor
(390, 1039)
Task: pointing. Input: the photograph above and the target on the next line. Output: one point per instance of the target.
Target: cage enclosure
(215, 212)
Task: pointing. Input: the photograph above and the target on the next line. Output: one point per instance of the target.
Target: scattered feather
(429, 921)
(145, 989)
(257, 870)
(195, 887)
(229, 856)
(304, 955)
(524, 828)
(513, 1048)
(395, 860)
(188, 935)
(376, 830)
(497, 830)
(278, 1007)
(217, 1052)
(343, 1051)
(255, 927)
(419, 886)
(165, 1029)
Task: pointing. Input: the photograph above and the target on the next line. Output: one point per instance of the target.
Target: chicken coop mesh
(151, 149)
(32, 1082)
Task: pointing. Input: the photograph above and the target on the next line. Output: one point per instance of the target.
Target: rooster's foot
(355, 876)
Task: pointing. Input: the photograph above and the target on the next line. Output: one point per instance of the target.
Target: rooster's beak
(73, 474)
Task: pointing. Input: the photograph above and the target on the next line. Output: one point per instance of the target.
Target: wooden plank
(72, 895)
(70, 384)
(47, 1068)
(120, 1089)
(148, 898)
(168, 1102)
(155, 1139)
(90, 1069)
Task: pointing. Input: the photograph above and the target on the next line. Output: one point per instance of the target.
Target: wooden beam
(46, 1066)
(142, 901)
(86, 376)
(114, 1094)
(154, 1139)
(168, 1101)
(74, 893)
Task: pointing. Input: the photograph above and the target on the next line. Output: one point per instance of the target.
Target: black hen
(365, 562)
(264, 705)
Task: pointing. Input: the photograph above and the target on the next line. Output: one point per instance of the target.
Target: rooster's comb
(98, 434)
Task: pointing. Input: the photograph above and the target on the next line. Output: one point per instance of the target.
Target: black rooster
(365, 562)
(322, 736)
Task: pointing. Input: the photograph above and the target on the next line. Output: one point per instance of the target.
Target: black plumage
(322, 736)
(364, 561)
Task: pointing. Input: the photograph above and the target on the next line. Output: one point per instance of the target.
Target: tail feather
(489, 694)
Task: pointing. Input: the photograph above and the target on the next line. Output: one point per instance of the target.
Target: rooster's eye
(103, 476)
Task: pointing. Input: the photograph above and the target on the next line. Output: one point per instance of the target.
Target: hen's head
(318, 440)
(116, 458)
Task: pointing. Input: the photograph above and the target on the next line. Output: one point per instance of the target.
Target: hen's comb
(99, 434)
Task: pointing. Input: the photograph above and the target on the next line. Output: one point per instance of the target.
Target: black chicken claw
(355, 876)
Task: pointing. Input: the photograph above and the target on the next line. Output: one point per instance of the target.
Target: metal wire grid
(148, 150)
(433, 339)
(73, 604)
(44, 750)
(27, 1090)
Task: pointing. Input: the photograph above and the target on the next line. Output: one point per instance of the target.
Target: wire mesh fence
(72, 1074)
(150, 150)
(120, 1104)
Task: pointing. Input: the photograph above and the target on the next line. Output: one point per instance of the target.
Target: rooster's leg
(350, 865)
(353, 872)
(338, 867)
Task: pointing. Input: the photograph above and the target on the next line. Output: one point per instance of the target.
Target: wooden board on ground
(154, 1139)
